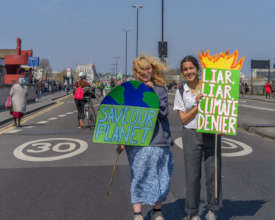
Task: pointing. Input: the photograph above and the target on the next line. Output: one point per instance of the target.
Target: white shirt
(185, 104)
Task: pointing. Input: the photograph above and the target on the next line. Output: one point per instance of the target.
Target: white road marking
(227, 144)
(257, 107)
(69, 113)
(234, 144)
(178, 142)
(53, 118)
(61, 116)
(243, 101)
(29, 126)
(13, 131)
(60, 148)
(42, 122)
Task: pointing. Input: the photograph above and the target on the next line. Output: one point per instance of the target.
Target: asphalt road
(256, 112)
(51, 170)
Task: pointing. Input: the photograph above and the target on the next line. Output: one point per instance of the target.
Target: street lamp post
(162, 29)
(116, 64)
(137, 7)
(126, 51)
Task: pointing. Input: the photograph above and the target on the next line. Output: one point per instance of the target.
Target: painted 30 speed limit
(50, 149)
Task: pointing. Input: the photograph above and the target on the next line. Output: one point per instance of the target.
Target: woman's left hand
(150, 84)
(120, 148)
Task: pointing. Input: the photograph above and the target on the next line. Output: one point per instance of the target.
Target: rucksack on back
(79, 93)
(181, 90)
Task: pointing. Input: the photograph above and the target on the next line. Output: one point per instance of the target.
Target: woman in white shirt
(198, 147)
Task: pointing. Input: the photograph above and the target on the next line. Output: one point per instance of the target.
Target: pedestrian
(198, 147)
(267, 89)
(151, 166)
(18, 94)
(246, 88)
(39, 88)
(101, 87)
(242, 89)
(83, 85)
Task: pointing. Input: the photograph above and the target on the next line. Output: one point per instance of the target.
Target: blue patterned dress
(151, 167)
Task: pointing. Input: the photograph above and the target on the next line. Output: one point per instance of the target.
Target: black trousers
(80, 108)
(199, 149)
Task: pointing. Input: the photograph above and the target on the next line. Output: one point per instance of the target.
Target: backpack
(79, 93)
(181, 90)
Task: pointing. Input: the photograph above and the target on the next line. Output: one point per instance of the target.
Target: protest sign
(220, 82)
(127, 115)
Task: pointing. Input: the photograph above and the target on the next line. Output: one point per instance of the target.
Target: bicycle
(90, 112)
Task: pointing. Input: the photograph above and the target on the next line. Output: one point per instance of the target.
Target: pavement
(44, 101)
(264, 130)
(255, 126)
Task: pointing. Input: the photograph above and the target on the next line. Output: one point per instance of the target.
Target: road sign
(33, 61)
(260, 64)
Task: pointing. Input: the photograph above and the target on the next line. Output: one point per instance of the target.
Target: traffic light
(163, 51)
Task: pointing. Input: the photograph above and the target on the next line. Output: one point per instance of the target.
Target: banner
(220, 83)
(127, 115)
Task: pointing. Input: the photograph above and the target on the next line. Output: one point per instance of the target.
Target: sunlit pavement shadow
(230, 209)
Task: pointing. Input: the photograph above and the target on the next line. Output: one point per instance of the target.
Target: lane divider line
(12, 131)
(31, 116)
(52, 118)
(42, 122)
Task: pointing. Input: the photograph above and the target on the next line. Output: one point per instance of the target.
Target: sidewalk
(263, 129)
(44, 101)
(258, 98)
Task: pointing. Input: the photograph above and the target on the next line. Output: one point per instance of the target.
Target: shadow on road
(240, 208)
(230, 209)
(172, 211)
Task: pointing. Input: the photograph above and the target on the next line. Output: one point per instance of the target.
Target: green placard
(127, 125)
(218, 109)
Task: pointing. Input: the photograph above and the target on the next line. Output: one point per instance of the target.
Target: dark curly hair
(191, 59)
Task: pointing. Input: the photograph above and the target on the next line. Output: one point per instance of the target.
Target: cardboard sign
(220, 83)
(127, 115)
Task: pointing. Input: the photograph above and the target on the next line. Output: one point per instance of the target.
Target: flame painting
(223, 61)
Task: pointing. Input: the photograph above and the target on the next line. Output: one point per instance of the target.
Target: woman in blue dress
(151, 167)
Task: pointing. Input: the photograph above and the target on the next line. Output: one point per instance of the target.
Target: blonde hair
(157, 66)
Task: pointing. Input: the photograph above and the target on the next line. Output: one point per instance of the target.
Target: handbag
(8, 102)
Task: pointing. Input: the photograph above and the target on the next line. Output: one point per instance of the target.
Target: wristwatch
(195, 105)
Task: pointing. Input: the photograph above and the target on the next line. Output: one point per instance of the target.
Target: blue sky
(70, 32)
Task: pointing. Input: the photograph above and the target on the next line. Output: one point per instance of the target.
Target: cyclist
(80, 102)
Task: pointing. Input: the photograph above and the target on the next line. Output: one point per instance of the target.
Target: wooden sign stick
(113, 173)
(216, 167)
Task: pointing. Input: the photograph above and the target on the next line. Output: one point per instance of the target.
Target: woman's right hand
(198, 98)
(120, 148)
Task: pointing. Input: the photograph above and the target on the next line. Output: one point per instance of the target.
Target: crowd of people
(43, 87)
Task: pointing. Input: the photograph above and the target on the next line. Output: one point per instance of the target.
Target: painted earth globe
(132, 93)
